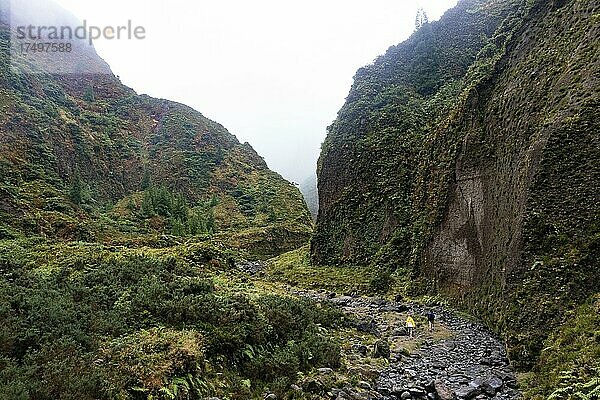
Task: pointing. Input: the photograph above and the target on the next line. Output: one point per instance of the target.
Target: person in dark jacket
(430, 319)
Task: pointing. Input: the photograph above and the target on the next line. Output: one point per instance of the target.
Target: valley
(148, 254)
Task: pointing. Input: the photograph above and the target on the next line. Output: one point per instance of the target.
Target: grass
(294, 268)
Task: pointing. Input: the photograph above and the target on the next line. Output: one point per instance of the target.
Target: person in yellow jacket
(410, 325)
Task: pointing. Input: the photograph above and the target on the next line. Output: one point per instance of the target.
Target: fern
(167, 393)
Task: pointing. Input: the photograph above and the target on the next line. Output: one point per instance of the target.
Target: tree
(210, 222)
(89, 94)
(146, 180)
(179, 208)
(163, 201)
(421, 19)
(148, 204)
(76, 192)
(130, 205)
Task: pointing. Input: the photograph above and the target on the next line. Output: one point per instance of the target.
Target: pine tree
(196, 223)
(421, 19)
(148, 203)
(89, 95)
(130, 205)
(163, 202)
(177, 228)
(179, 208)
(210, 222)
(76, 192)
(146, 180)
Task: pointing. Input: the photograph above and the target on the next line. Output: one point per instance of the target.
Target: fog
(273, 72)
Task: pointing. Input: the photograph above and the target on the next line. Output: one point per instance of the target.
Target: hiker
(430, 319)
(410, 325)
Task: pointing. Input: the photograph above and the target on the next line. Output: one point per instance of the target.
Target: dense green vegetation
(85, 321)
(464, 163)
(294, 268)
(568, 366)
(120, 219)
(391, 131)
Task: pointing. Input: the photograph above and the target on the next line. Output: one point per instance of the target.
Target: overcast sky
(273, 72)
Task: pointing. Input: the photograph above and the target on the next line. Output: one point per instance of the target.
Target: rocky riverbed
(461, 359)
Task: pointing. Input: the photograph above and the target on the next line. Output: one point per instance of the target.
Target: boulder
(381, 349)
(360, 349)
(468, 392)
(443, 391)
(492, 385)
(367, 327)
(341, 301)
(364, 385)
(417, 391)
(325, 371)
(313, 386)
(397, 390)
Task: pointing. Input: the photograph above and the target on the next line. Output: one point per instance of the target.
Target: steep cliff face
(522, 215)
(373, 150)
(482, 184)
(84, 157)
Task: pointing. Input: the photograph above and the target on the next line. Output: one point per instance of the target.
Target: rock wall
(527, 184)
(373, 151)
(496, 205)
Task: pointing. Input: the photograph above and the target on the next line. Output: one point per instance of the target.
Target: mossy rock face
(387, 133)
(478, 177)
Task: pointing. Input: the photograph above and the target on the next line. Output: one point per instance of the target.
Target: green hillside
(83, 157)
(122, 221)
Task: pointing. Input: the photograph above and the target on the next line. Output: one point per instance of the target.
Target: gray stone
(443, 391)
(341, 301)
(492, 385)
(468, 392)
(406, 396)
(398, 390)
(430, 385)
(270, 396)
(410, 372)
(383, 390)
(360, 349)
(313, 386)
(325, 371)
(250, 267)
(367, 327)
(364, 385)
(417, 392)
